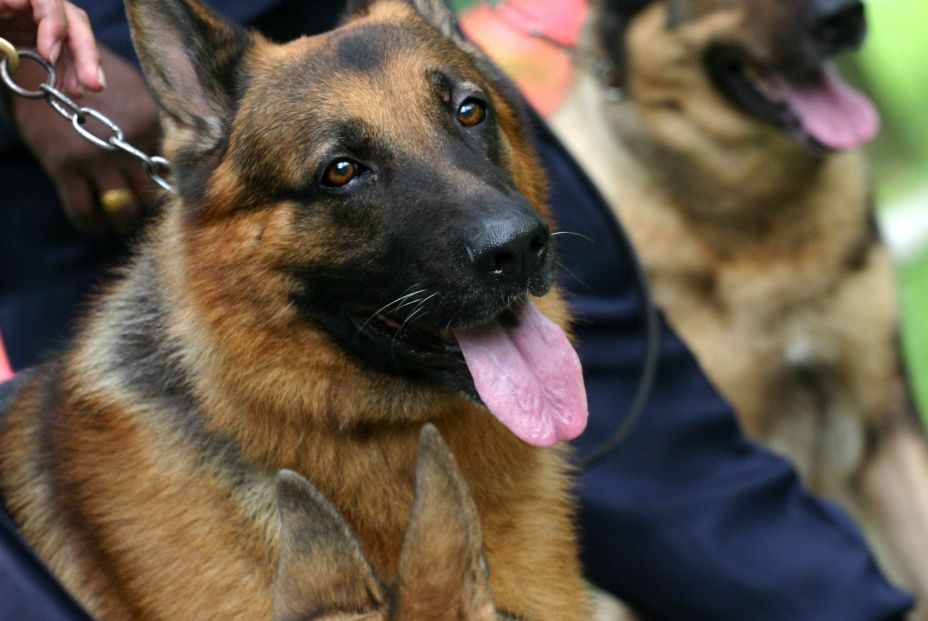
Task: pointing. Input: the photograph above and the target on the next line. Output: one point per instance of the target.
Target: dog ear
(189, 56)
(436, 12)
(442, 573)
(322, 569)
(611, 18)
(440, 15)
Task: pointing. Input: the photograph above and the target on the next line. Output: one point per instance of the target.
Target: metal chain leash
(156, 167)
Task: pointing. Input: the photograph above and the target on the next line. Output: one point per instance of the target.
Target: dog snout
(837, 25)
(512, 247)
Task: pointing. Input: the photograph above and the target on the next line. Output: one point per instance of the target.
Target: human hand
(82, 171)
(62, 35)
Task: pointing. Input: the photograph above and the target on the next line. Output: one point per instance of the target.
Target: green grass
(914, 280)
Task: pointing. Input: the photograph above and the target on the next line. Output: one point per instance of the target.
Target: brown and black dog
(721, 135)
(356, 248)
(442, 573)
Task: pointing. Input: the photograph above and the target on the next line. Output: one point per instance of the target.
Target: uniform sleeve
(27, 590)
(108, 18)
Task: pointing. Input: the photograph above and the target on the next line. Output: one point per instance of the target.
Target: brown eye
(472, 112)
(339, 173)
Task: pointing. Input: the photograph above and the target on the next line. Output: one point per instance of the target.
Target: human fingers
(79, 202)
(51, 28)
(83, 49)
(10, 8)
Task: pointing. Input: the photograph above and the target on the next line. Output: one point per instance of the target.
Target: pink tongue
(529, 377)
(831, 111)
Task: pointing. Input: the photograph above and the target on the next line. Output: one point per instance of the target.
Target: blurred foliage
(913, 278)
(894, 67)
(894, 64)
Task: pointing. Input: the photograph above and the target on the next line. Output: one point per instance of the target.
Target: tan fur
(146, 517)
(762, 254)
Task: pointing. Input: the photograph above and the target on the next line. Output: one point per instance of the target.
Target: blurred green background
(893, 68)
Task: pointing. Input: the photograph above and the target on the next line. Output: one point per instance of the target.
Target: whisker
(422, 302)
(575, 277)
(580, 235)
(413, 314)
(385, 307)
(389, 304)
(409, 302)
(415, 311)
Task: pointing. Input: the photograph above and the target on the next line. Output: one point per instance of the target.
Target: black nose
(838, 25)
(512, 247)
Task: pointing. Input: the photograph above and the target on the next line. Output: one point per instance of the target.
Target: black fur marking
(45, 402)
(47, 405)
(705, 284)
(613, 20)
(9, 388)
(149, 364)
(859, 255)
(365, 49)
(194, 169)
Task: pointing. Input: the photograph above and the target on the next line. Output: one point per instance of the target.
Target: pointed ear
(440, 15)
(442, 573)
(322, 569)
(436, 12)
(610, 21)
(189, 57)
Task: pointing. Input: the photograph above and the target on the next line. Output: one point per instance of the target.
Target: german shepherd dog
(442, 572)
(728, 158)
(357, 247)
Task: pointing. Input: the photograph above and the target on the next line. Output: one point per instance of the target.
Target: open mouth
(519, 364)
(404, 337)
(818, 109)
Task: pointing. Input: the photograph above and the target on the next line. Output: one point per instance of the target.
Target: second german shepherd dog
(727, 158)
(357, 247)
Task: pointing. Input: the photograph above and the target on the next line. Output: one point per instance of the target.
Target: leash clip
(10, 58)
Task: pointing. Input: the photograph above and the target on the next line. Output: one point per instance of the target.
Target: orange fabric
(5, 371)
(539, 65)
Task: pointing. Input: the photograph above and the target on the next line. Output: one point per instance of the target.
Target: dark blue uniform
(686, 520)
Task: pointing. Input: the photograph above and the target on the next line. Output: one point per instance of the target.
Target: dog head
(372, 184)
(733, 72)
(323, 574)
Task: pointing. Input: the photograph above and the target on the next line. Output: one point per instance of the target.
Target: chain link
(156, 167)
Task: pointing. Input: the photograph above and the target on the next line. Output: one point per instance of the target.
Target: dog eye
(471, 112)
(339, 173)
